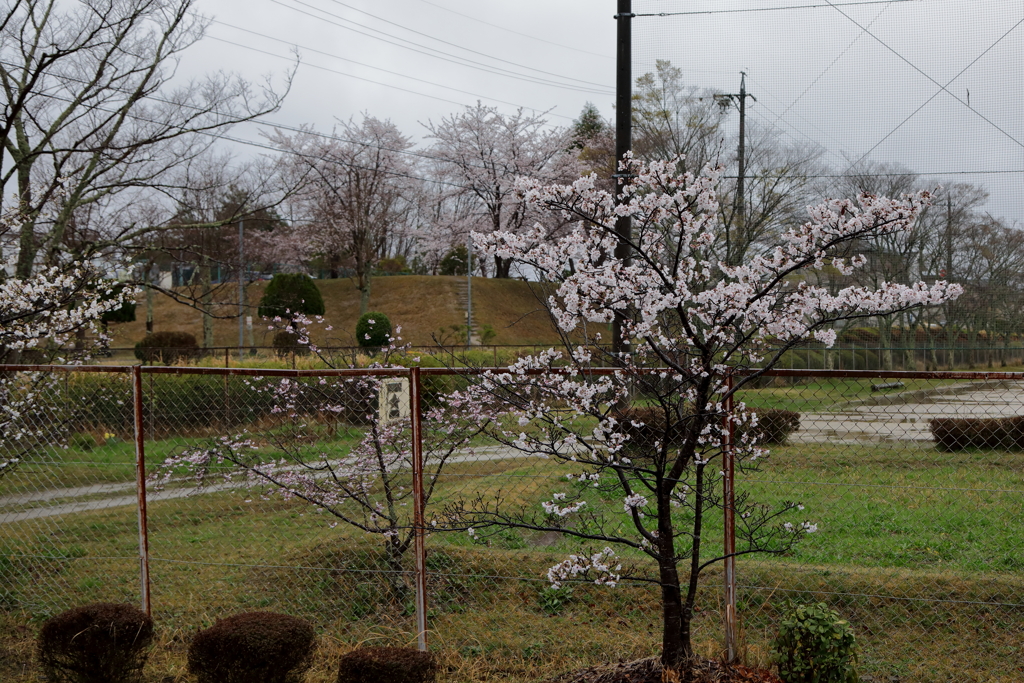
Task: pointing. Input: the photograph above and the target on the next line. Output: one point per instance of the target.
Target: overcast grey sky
(853, 77)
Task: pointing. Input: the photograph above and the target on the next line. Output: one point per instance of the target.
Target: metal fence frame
(415, 376)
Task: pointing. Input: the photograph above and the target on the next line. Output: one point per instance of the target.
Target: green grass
(919, 549)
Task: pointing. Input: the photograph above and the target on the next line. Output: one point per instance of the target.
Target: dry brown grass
(421, 304)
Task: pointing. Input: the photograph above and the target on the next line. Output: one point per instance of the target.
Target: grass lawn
(422, 305)
(919, 549)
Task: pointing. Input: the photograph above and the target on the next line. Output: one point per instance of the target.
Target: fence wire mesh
(68, 523)
(294, 493)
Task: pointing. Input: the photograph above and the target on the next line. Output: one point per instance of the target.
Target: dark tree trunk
(502, 268)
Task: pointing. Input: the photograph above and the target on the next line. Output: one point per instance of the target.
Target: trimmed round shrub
(392, 664)
(815, 646)
(262, 647)
(286, 342)
(98, 643)
(373, 329)
(167, 347)
(645, 426)
(289, 294)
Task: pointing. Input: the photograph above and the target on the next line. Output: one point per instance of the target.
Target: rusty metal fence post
(140, 487)
(419, 543)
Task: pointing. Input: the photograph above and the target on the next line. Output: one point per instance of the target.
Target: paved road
(60, 502)
(904, 417)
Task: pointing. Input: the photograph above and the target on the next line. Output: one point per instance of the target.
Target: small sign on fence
(394, 400)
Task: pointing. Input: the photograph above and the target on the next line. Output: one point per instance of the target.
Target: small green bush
(815, 646)
(393, 266)
(645, 426)
(554, 600)
(253, 646)
(98, 643)
(392, 664)
(167, 348)
(373, 329)
(289, 294)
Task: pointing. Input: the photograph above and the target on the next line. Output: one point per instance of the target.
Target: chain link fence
(294, 491)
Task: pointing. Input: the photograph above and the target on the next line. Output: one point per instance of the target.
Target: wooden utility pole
(623, 144)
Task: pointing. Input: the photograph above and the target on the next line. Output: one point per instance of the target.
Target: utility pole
(739, 205)
(623, 144)
(241, 289)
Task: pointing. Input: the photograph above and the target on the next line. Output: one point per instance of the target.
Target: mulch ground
(649, 671)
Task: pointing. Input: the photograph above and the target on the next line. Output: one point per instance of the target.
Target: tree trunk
(149, 298)
(502, 267)
(885, 341)
(396, 574)
(363, 281)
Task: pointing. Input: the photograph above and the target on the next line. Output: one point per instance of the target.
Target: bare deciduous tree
(93, 109)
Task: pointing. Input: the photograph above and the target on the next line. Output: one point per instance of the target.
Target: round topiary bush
(253, 646)
(286, 341)
(99, 643)
(167, 348)
(392, 664)
(373, 329)
(289, 294)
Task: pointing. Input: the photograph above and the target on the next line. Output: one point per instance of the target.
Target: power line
(833, 63)
(456, 45)
(375, 82)
(252, 143)
(525, 35)
(942, 88)
(770, 9)
(429, 51)
(270, 124)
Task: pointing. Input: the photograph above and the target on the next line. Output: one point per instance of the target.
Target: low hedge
(391, 664)
(167, 348)
(253, 646)
(957, 434)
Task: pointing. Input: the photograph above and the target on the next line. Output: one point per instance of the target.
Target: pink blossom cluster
(596, 567)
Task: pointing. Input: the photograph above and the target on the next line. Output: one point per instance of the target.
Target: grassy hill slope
(423, 305)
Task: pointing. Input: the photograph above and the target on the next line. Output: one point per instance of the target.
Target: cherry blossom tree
(358, 471)
(646, 446)
(485, 151)
(359, 194)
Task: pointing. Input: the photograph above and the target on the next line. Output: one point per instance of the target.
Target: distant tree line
(112, 162)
